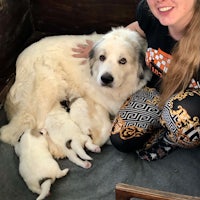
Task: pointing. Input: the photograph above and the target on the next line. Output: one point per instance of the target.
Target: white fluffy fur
(46, 73)
(36, 163)
(92, 118)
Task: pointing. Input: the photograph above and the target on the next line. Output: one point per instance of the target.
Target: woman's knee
(181, 116)
(131, 127)
(128, 139)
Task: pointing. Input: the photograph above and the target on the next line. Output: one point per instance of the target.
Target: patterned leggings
(140, 125)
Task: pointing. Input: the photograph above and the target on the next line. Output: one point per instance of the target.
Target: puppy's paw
(97, 149)
(8, 138)
(63, 173)
(84, 156)
(87, 164)
(56, 151)
(92, 147)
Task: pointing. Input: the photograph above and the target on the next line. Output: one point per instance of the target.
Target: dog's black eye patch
(122, 61)
(102, 58)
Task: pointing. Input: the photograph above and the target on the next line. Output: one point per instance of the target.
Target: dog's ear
(142, 65)
(91, 59)
(142, 59)
(93, 53)
(143, 71)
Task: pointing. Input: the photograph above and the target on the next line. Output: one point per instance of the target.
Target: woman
(165, 114)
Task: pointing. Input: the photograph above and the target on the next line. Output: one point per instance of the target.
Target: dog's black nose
(107, 79)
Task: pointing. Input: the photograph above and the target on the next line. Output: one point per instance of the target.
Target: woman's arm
(134, 26)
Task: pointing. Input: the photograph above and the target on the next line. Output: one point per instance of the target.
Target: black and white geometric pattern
(139, 122)
(142, 110)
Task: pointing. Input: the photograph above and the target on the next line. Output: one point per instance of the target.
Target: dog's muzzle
(107, 80)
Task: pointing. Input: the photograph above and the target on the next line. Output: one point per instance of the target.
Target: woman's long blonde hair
(185, 61)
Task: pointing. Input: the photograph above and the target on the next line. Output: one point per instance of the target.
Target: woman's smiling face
(172, 12)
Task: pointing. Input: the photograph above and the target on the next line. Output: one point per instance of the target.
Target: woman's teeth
(164, 9)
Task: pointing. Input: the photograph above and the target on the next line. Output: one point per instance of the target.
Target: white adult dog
(36, 165)
(47, 74)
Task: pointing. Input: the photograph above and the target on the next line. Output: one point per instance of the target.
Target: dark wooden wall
(25, 21)
(81, 16)
(15, 28)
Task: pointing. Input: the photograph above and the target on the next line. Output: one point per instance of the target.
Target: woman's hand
(82, 50)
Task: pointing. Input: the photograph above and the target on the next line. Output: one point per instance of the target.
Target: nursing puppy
(36, 165)
(47, 74)
(69, 139)
(92, 118)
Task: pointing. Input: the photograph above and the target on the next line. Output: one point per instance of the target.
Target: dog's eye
(122, 61)
(102, 57)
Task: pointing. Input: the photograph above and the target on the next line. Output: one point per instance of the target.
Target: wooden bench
(130, 192)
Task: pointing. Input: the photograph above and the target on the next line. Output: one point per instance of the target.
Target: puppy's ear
(35, 132)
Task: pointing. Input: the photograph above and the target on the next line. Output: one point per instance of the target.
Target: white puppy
(36, 165)
(68, 137)
(92, 118)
